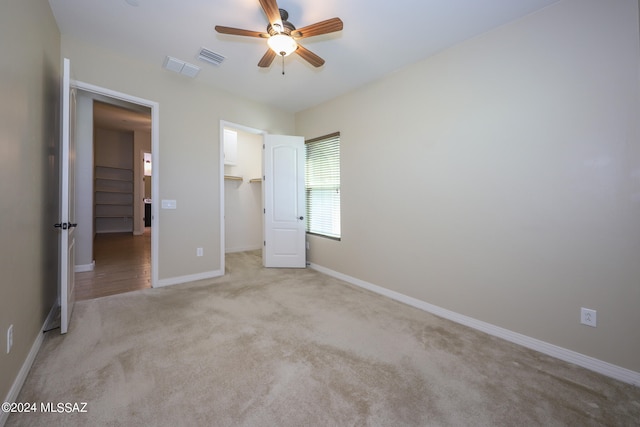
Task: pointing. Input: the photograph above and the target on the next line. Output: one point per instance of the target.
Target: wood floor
(123, 264)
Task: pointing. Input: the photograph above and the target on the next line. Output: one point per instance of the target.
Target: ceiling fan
(282, 36)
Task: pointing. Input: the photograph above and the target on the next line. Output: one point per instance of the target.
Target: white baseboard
(189, 278)
(588, 362)
(26, 366)
(243, 249)
(85, 267)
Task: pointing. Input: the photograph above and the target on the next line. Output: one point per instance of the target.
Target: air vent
(173, 64)
(210, 56)
(189, 70)
(181, 67)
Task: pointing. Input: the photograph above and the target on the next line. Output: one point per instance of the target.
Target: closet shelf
(233, 178)
(111, 190)
(113, 196)
(113, 203)
(255, 180)
(107, 178)
(112, 168)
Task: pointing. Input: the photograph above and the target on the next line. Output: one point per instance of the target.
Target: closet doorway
(243, 217)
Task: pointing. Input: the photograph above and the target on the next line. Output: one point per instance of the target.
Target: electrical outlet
(588, 317)
(9, 338)
(199, 252)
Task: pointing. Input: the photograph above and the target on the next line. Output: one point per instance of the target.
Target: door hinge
(264, 211)
(65, 225)
(264, 243)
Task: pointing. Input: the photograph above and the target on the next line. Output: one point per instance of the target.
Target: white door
(67, 199)
(284, 202)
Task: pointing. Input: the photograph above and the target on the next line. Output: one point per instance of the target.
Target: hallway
(123, 264)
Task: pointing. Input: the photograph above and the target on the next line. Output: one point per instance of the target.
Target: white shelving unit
(113, 199)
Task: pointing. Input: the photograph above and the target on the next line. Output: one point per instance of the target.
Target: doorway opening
(114, 193)
(241, 189)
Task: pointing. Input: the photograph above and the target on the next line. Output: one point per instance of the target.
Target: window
(322, 182)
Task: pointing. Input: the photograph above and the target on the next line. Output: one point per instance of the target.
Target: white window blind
(322, 181)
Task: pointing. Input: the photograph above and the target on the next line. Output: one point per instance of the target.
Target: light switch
(169, 204)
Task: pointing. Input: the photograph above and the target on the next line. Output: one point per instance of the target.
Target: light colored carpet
(280, 347)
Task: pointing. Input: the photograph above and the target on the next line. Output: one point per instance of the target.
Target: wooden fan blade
(267, 59)
(239, 32)
(309, 56)
(272, 11)
(323, 27)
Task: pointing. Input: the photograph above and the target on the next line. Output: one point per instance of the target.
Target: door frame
(155, 156)
(67, 218)
(227, 124)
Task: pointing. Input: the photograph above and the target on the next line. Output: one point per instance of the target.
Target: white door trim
(155, 156)
(223, 124)
(66, 290)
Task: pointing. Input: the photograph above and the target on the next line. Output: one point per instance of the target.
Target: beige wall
(29, 145)
(500, 179)
(190, 113)
(84, 232)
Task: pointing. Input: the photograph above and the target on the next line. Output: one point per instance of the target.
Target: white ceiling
(378, 38)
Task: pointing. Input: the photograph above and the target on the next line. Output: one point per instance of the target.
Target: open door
(284, 202)
(67, 200)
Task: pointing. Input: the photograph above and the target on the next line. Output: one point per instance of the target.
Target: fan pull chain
(282, 65)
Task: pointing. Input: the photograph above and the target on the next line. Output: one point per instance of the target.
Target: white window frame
(323, 178)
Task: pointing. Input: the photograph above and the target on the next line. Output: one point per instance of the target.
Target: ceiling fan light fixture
(282, 36)
(282, 44)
